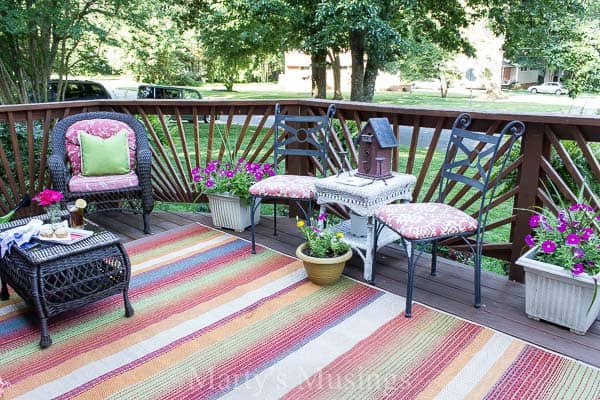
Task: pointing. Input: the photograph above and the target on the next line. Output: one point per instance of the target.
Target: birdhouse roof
(382, 131)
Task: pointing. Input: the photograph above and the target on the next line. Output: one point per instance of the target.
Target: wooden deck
(450, 291)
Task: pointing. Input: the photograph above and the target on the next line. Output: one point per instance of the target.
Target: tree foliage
(38, 37)
(428, 60)
(553, 34)
(380, 32)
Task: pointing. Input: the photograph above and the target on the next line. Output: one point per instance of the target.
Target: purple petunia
(587, 234)
(548, 246)
(534, 221)
(197, 178)
(322, 217)
(529, 241)
(209, 183)
(195, 171)
(229, 173)
(573, 239)
(577, 269)
(578, 252)
(562, 227)
(258, 176)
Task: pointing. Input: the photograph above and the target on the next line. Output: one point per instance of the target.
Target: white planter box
(555, 295)
(230, 212)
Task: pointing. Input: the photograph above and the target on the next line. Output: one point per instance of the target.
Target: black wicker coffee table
(54, 278)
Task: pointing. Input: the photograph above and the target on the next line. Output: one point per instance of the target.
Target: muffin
(46, 231)
(61, 233)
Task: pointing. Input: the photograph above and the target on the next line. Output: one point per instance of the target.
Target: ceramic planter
(230, 212)
(323, 271)
(553, 294)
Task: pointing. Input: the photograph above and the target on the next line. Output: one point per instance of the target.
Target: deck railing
(546, 150)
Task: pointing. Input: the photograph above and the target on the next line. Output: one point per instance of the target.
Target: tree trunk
(319, 74)
(369, 81)
(336, 68)
(357, 50)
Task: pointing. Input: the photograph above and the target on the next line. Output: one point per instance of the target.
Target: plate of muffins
(61, 233)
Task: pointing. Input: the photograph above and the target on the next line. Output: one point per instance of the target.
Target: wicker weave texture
(139, 198)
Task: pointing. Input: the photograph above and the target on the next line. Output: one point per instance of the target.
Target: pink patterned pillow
(426, 220)
(103, 128)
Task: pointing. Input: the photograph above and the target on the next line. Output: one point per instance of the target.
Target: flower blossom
(534, 221)
(529, 241)
(578, 252)
(587, 234)
(548, 246)
(573, 239)
(322, 217)
(47, 197)
(577, 269)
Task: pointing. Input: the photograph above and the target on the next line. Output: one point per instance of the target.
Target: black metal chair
(131, 191)
(468, 155)
(294, 135)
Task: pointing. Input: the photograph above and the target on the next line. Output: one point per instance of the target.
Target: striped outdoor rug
(214, 321)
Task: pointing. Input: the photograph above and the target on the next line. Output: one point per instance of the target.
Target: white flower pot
(554, 294)
(230, 212)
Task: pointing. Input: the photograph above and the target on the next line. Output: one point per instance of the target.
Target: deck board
(451, 290)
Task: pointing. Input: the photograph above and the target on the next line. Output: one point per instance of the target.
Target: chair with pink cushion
(294, 135)
(130, 190)
(469, 156)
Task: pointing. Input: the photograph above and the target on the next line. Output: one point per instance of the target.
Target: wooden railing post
(532, 149)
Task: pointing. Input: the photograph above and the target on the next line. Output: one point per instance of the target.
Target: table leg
(4, 293)
(368, 261)
(128, 308)
(45, 340)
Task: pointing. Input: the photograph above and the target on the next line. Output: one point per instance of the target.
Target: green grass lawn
(417, 98)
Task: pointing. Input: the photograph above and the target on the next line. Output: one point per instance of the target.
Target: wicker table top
(52, 251)
(364, 196)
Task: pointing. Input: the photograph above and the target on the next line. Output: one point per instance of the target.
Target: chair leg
(434, 258)
(477, 278)
(275, 219)
(252, 210)
(410, 250)
(146, 218)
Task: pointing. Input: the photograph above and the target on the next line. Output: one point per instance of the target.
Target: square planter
(230, 212)
(555, 295)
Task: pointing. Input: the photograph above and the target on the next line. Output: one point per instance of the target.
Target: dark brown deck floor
(450, 291)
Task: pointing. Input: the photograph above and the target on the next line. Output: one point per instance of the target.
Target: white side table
(363, 197)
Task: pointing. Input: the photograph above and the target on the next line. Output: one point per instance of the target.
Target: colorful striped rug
(214, 321)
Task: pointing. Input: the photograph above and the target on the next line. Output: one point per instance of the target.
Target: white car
(549, 87)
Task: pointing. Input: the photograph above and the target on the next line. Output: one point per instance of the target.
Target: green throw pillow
(104, 156)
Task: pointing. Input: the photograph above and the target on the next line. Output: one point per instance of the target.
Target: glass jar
(54, 213)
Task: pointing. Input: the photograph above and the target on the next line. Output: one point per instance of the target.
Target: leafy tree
(161, 53)
(378, 32)
(38, 37)
(428, 60)
(553, 34)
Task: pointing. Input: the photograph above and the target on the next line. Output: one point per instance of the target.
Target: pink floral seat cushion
(290, 186)
(426, 220)
(103, 128)
(80, 183)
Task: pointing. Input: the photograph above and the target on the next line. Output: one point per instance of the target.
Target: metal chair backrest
(477, 161)
(312, 130)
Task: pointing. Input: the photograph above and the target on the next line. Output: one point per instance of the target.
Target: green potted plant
(562, 266)
(226, 185)
(324, 253)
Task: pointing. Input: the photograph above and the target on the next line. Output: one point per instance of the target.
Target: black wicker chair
(134, 195)
(420, 224)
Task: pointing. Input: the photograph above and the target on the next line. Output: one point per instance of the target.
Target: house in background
(516, 75)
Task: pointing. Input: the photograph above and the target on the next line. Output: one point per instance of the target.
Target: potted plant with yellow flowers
(324, 253)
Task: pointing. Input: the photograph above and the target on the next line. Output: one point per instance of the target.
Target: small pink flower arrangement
(48, 197)
(570, 239)
(232, 178)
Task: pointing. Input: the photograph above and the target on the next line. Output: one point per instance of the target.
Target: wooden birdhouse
(376, 142)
